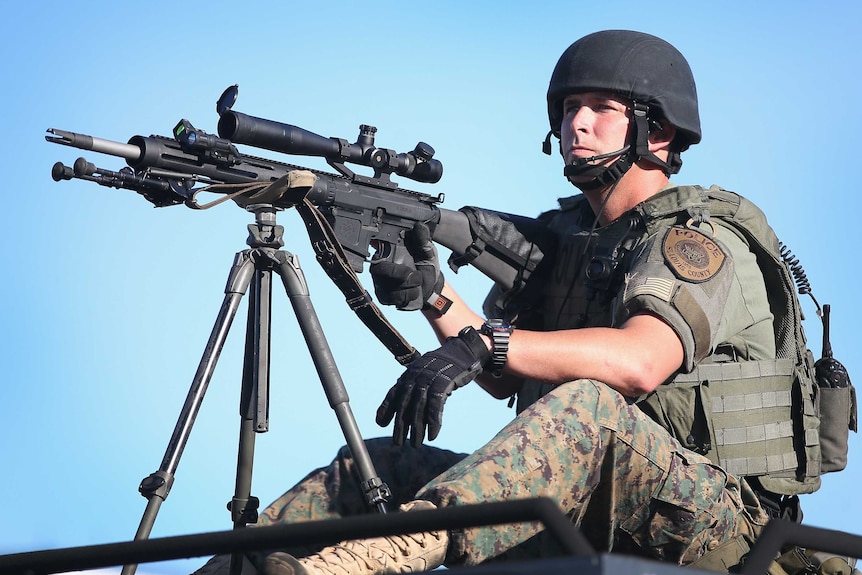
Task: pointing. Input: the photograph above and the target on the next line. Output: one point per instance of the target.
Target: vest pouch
(680, 408)
(739, 414)
(751, 410)
(837, 418)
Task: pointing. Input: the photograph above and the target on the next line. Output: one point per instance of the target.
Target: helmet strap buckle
(640, 113)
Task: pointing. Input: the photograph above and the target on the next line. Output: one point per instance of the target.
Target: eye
(570, 107)
(606, 106)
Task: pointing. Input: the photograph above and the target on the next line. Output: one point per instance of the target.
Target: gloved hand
(408, 287)
(417, 398)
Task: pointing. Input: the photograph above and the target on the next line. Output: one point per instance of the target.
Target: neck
(632, 189)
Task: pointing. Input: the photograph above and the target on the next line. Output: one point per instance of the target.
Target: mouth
(576, 154)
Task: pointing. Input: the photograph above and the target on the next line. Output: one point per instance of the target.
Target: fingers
(418, 243)
(406, 403)
(390, 275)
(434, 413)
(416, 415)
(416, 401)
(396, 284)
(386, 411)
(396, 403)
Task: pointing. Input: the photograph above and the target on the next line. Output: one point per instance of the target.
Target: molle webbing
(750, 407)
(790, 339)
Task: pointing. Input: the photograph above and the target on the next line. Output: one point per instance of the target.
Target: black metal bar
(777, 534)
(312, 532)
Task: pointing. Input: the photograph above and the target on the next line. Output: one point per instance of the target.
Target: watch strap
(499, 331)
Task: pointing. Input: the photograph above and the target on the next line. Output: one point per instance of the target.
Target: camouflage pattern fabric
(583, 446)
(620, 476)
(333, 491)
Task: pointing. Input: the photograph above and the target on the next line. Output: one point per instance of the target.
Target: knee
(585, 399)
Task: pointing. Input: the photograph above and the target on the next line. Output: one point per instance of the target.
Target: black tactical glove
(409, 287)
(416, 400)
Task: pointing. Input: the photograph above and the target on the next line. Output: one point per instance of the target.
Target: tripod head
(264, 232)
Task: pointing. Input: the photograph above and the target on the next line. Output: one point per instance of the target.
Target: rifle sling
(331, 257)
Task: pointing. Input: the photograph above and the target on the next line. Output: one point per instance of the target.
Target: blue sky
(109, 302)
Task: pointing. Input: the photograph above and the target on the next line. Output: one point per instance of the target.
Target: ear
(661, 135)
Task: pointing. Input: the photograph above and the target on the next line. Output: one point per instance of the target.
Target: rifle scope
(417, 165)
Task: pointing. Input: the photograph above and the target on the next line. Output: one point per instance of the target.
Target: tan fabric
(379, 555)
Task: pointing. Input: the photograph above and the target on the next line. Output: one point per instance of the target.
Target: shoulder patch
(692, 255)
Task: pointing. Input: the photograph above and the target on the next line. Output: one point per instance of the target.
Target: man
(638, 287)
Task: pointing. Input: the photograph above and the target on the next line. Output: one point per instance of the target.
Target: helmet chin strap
(642, 131)
(602, 176)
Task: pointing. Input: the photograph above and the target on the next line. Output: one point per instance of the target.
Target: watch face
(496, 325)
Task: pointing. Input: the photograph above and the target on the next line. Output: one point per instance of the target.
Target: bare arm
(634, 359)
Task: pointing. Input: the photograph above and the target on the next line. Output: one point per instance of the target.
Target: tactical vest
(753, 418)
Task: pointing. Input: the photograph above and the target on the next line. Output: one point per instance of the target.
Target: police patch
(692, 255)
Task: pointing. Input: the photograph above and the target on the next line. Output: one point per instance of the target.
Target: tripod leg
(376, 492)
(254, 402)
(157, 485)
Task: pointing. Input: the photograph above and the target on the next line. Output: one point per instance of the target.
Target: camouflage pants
(620, 476)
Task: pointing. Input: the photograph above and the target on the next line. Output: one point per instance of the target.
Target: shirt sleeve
(681, 275)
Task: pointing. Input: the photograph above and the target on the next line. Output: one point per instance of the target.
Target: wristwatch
(499, 332)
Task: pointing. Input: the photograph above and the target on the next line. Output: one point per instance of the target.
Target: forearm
(633, 359)
(453, 321)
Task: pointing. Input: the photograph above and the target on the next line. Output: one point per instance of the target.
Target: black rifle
(346, 214)
(362, 210)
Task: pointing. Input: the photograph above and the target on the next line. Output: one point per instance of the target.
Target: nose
(577, 123)
(580, 118)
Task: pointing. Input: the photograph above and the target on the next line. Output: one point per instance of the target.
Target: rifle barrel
(84, 142)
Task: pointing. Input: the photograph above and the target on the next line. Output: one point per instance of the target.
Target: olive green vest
(757, 418)
(753, 418)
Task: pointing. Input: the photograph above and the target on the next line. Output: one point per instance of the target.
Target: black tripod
(254, 266)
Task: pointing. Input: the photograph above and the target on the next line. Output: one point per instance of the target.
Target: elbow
(640, 382)
(643, 373)
(636, 389)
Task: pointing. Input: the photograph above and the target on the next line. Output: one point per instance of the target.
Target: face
(594, 123)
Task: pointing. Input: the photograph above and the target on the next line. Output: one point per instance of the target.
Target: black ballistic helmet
(637, 66)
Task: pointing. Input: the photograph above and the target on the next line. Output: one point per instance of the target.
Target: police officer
(639, 285)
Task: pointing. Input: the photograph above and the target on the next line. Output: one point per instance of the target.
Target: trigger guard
(382, 250)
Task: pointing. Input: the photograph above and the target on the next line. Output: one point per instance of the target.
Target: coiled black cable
(800, 278)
